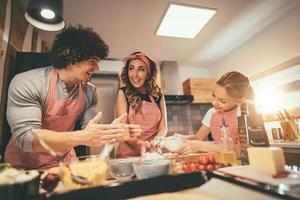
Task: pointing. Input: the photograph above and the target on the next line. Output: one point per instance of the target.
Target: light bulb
(48, 14)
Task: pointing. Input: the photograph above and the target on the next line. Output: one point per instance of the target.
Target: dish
(92, 169)
(19, 184)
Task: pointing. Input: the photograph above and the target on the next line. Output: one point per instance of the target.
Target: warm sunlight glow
(183, 21)
(268, 100)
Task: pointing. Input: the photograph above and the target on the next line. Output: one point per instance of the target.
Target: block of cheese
(268, 159)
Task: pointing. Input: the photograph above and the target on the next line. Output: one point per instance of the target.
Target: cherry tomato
(211, 159)
(217, 166)
(193, 167)
(204, 160)
(186, 167)
(201, 167)
(210, 167)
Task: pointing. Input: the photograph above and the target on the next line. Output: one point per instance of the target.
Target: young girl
(230, 91)
(142, 100)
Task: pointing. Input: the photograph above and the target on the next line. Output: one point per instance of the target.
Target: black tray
(166, 183)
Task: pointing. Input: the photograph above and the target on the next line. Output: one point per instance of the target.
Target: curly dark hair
(132, 94)
(77, 44)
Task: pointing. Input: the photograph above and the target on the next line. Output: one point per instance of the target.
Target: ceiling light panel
(184, 21)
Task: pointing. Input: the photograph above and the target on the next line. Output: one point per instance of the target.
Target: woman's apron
(148, 118)
(231, 121)
(58, 115)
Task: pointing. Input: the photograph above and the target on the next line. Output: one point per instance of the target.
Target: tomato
(211, 159)
(186, 167)
(193, 167)
(217, 166)
(210, 167)
(201, 167)
(204, 160)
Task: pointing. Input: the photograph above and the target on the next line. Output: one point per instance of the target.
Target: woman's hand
(147, 146)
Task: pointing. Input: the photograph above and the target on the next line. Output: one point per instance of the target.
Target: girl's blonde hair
(237, 85)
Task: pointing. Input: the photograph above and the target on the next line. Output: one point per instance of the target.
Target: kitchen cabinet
(200, 88)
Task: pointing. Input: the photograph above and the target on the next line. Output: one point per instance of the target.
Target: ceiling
(130, 25)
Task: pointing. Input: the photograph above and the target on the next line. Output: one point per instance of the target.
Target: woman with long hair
(142, 100)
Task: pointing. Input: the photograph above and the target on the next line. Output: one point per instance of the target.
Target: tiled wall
(185, 119)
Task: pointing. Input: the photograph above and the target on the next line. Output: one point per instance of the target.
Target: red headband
(140, 56)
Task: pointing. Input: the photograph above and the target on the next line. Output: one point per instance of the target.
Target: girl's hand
(188, 147)
(184, 137)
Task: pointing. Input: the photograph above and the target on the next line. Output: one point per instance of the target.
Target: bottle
(251, 131)
(243, 134)
(227, 154)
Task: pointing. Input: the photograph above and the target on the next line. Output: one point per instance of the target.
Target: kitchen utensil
(144, 171)
(289, 127)
(76, 178)
(121, 169)
(293, 125)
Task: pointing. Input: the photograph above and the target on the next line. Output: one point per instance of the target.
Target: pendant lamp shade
(45, 14)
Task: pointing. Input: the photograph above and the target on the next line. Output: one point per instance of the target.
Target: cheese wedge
(268, 159)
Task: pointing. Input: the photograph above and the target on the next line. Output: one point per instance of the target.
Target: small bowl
(172, 143)
(143, 171)
(121, 169)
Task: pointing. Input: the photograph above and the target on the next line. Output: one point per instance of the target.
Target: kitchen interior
(259, 38)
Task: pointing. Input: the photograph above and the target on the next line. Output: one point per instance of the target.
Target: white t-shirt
(207, 117)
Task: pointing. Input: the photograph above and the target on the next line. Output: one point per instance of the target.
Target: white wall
(276, 44)
(111, 65)
(185, 72)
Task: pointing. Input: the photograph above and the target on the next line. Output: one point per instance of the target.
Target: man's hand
(134, 129)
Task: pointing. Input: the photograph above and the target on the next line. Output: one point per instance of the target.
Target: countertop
(214, 189)
(286, 144)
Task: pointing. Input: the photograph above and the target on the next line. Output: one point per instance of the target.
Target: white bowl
(172, 143)
(144, 171)
(121, 169)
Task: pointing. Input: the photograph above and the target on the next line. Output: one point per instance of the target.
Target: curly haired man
(45, 103)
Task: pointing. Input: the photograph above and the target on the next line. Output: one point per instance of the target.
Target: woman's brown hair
(132, 94)
(237, 85)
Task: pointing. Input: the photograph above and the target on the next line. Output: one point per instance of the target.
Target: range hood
(178, 99)
(171, 85)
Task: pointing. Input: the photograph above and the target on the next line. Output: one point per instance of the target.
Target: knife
(282, 116)
(279, 117)
(287, 114)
